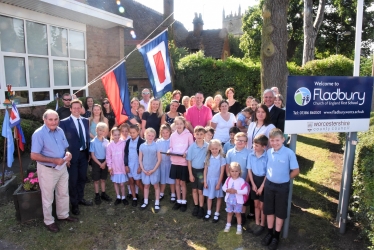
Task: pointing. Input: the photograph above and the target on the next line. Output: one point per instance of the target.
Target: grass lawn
(106, 226)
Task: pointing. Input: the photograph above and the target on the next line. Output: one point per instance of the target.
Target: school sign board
(323, 104)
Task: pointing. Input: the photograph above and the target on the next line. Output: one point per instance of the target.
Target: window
(40, 60)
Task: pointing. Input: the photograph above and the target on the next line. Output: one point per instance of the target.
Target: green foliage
(366, 65)
(198, 73)
(176, 53)
(28, 128)
(363, 182)
(166, 99)
(340, 17)
(336, 65)
(234, 47)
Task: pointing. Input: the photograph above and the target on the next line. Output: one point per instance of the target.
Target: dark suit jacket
(140, 142)
(277, 116)
(72, 136)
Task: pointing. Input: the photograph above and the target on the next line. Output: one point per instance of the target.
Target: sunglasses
(145, 93)
(66, 100)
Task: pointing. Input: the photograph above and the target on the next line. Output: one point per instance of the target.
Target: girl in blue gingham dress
(215, 164)
(163, 146)
(149, 161)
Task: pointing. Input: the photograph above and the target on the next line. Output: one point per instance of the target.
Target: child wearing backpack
(237, 190)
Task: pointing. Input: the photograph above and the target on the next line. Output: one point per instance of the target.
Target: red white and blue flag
(157, 64)
(14, 117)
(117, 89)
(15, 121)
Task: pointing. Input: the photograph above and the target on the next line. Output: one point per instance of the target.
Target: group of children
(177, 157)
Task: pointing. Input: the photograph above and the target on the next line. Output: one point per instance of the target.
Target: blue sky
(210, 9)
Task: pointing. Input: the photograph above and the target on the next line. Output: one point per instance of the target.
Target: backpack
(245, 184)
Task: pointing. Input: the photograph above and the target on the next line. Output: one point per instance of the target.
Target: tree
(274, 70)
(235, 51)
(311, 28)
(339, 16)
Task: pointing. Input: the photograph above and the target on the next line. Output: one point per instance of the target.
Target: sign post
(329, 104)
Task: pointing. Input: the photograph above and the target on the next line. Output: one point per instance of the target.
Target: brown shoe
(52, 227)
(69, 219)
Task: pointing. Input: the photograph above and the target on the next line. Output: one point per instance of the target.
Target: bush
(363, 182)
(198, 73)
(336, 65)
(28, 127)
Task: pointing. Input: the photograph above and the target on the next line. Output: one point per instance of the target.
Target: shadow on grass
(333, 147)
(305, 165)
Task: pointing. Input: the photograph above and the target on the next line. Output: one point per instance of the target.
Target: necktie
(81, 136)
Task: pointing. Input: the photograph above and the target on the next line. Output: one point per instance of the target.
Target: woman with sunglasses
(109, 114)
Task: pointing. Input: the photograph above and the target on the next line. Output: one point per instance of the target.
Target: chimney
(168, 10)
(198, 24)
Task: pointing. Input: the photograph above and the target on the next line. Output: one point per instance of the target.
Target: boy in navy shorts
(281, 167)
(256, 172)
(195, 161)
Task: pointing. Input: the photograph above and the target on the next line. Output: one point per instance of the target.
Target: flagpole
(3, 172)
(19, 152)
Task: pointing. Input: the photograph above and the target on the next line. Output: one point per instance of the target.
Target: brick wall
(104, 48)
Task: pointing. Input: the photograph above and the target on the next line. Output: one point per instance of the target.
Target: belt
(48, 166)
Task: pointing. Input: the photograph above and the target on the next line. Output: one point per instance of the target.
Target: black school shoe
(105, 197)
(125, 202)
(134, 203)
(274, 244)
(117, 202)
(267, 239)
(177, 206)
(195, 210)
(201, 213)
(183, 207)
(97, 200)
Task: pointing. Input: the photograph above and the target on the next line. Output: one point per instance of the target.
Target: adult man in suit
(277, 115)
(49, 149)
(77, 134)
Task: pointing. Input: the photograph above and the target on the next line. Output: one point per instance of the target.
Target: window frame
(50, 58)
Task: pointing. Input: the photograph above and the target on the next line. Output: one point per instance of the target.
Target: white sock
(136, 189)
(183, 201)
(239, 226)
(216, 214)
(123, 197)
(179, 201)
(209, 212)
(128, 187)
(118, 196)
(135, 199)
(172, 194)
(228, 224)
(157, 202)
(145, 201)
(161, 194)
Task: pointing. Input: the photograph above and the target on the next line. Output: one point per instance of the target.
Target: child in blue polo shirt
(281, 167)
(256, 173)
(98, 147)
(231, 143)
(240, 155)
(195, 161)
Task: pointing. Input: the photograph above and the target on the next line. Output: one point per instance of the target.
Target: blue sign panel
(318, 104)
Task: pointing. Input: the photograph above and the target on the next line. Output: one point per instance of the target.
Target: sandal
(207, 217)
(215, 218)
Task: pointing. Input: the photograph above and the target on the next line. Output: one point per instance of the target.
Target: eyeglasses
(145, 93)
(242, 141)
(105, 103)
(68, 100)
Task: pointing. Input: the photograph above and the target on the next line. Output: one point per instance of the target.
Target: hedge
(198, 73)
(363, 182)
(28, 128)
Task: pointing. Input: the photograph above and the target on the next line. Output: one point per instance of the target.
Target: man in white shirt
(146, 96)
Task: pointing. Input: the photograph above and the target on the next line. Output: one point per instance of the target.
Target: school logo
(302, 96)
(310, 126)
